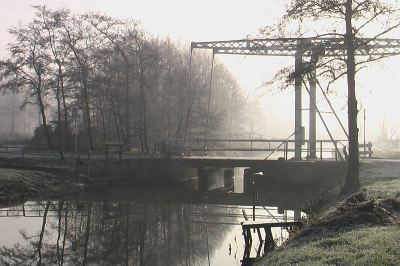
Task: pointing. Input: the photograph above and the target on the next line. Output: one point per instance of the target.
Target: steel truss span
(306, 46)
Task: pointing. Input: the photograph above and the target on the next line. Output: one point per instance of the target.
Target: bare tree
(77, 36)
(50, 22)
(350, 21)
(27, 69)
(121, 35)
(116, 75)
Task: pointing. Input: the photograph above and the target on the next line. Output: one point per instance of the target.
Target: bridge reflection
(76, 232)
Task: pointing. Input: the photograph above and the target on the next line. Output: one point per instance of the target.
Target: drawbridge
(301, 48)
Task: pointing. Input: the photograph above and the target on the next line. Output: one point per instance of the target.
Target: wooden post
(246, 253)
(254, 205)
(269, 240)
(370, 149)
(261, 242)
(248, 241)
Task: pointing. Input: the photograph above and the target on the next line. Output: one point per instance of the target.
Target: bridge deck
(215, 161)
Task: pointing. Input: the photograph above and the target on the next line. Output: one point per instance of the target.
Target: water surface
(127, 230)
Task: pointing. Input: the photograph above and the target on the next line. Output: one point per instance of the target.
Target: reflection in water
(124, 233)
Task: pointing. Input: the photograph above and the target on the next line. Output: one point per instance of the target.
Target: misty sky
(210, 20)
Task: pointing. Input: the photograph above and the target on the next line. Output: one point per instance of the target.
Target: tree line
(109, 79)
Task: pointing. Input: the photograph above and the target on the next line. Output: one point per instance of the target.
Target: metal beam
(300, 48)
(289, 46)
(298, 124)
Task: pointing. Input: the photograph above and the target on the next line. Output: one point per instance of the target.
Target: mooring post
(261, 242)
(247, 242)
(254, 205)
(269, 244)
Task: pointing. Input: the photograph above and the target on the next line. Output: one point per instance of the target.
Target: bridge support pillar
(297, 215)
(299, 129)
(202, 179)
(313, 115)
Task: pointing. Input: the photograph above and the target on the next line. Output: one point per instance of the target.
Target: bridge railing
(180, 148)
(233, 147)
(12, 150)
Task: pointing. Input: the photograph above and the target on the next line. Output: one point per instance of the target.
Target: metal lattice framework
(299, 48)
(290, 46)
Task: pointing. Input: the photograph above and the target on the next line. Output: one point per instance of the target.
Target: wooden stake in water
(254, 205)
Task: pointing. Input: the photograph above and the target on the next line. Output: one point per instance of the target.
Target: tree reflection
(120, 233)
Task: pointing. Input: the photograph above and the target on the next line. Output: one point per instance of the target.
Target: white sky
(214, 20)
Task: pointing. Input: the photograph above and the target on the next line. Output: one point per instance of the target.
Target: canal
(131, 225)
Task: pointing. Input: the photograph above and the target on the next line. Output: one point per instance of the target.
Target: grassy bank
(18, 185)
(353, 232)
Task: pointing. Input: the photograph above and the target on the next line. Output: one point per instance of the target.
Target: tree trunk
(127, 124)
(67, 144)
(44, 119)
(120, 119)
(103, 121)
(42, 232)
(87, 107)
(85, 95)
(352, 175)
(59, 130)
(87, 235)
(143, 113)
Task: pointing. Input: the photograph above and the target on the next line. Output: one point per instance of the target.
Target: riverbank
(18, 185)
(358, 229)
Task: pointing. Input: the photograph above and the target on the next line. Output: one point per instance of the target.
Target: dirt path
(382, 151)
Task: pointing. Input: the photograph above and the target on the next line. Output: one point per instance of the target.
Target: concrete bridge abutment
(211, 178)
(294, 173)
